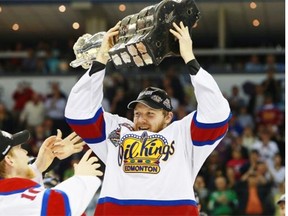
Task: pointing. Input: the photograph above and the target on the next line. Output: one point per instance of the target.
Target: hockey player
(151, 163)
(21, 185)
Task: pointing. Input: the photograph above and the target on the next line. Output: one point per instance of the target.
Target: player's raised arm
(212, 106)
(86, 95)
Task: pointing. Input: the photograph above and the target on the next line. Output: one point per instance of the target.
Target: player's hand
(107, 44)
(45, 154)
(63, 148)
(87, 166)
(181, 32)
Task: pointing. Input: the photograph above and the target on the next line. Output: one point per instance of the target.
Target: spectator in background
(248, 137)
(281, 205)
(202, 191)
(236, 162)
(29, 64)
(264, 176)
(212, 168)
(266, 147)
(52, 59)
(21, 96)
(33, 112)
(235, 127)
(251, 165)
(256, 100)
(235, 99)
(254, 65)
(48, 126)
(54, 108)
(269, 114)
(37, 138)
(199, 205)
(277, 171)
(236, 145)
(271, 63)
(222, 201)
(253, 196)
(14, 64)
(271, 86)
(7, 121)
(231, 177)
(244, 118)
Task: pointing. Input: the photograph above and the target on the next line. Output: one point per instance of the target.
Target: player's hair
(3, 173)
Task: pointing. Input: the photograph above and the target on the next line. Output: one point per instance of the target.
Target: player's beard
(158, 127)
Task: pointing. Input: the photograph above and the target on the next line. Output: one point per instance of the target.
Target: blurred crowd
(54, 57)
(244, 175)
(51, 57)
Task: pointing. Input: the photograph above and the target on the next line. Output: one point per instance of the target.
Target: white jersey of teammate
(148, 173)
(20, 196)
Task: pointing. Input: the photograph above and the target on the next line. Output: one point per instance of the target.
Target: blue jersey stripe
(147, 202)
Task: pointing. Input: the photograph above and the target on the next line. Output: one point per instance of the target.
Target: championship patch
(114, 136)
(143, 154)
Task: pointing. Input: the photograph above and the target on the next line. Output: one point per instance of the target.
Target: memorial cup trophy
(144, 37)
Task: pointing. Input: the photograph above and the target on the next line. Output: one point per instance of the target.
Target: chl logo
(142, 154)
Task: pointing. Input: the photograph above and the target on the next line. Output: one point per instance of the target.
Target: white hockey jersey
(20, 196)
(148, 173)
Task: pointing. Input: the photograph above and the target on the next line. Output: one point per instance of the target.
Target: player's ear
(169, 117)
(9, 160)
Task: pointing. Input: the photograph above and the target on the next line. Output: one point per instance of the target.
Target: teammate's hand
(107, 44)
(63, 148)
(185, 42)
(45, 154)
(87, 166)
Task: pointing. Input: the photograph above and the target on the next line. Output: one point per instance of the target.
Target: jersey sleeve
(75, 193)
(85, 96)
(206, 126)
(212, 106)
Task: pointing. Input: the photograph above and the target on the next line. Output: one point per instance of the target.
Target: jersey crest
(142, 154)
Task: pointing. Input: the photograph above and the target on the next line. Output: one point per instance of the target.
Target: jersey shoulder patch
(114, 136)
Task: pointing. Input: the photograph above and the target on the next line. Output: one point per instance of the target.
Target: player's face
(146, 118)
(20, 161)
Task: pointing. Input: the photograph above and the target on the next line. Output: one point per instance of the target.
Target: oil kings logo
(142, 154)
